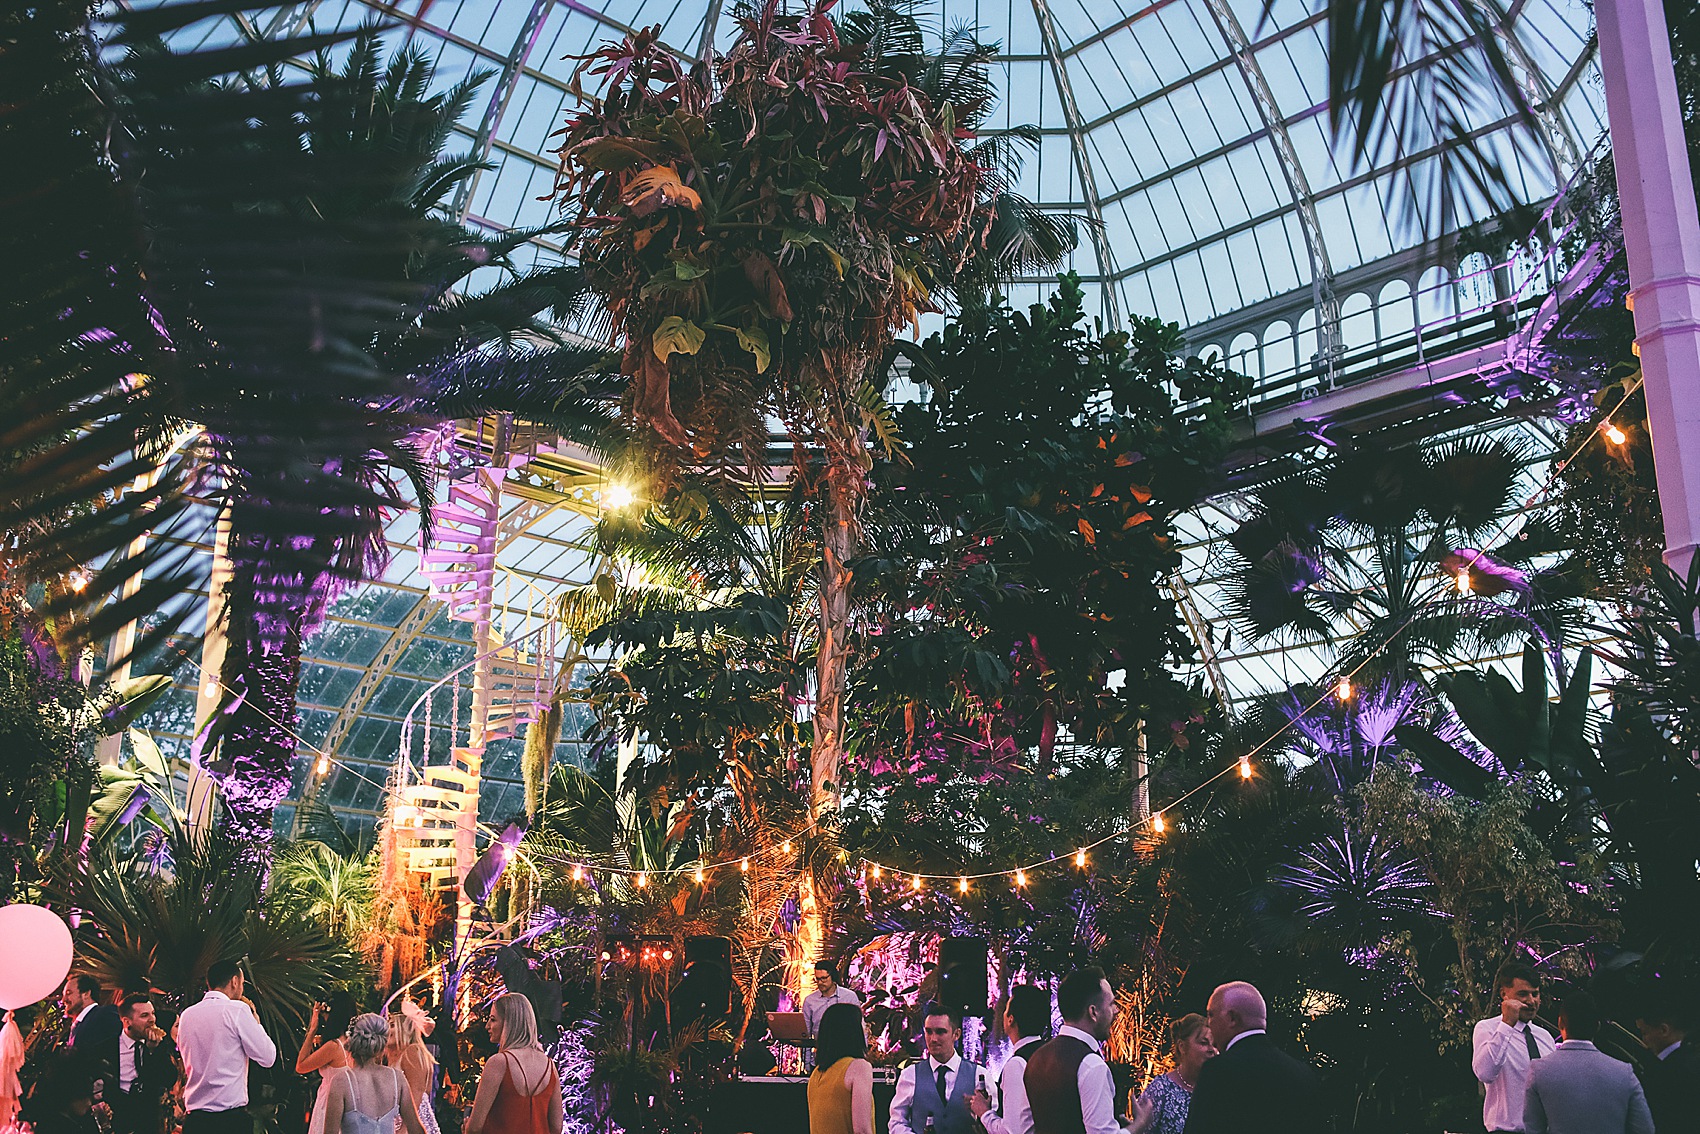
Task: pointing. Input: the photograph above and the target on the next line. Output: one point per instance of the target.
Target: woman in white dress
(408, 1054)
(327, 1056)
(367, 1097)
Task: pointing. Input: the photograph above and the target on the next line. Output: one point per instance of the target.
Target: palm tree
(762, 274)
(1372, 550)
(334, 890)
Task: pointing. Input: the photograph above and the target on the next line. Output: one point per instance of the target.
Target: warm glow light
(962, 885)
(915, 883)
(211, 689)
(617, 496)
(1613, 434)
(1344, 689)
(79, 580)
(578, 874)
(1020, 878)
(1157, 822)
(607, 956)
(1080, 858)
(643, 880)
(699, 876)
(1463, 580)
(1245, 767)
(744, 866)
(323, 767)
(876, 870)
(666, 954)
(786, 849)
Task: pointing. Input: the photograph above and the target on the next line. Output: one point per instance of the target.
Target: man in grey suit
(1579, 1089)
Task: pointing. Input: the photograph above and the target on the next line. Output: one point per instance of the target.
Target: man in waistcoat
(1026, 1020)
(938, 1086)
(1069, 1086)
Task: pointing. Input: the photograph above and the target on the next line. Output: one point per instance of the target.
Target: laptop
(787, 1027)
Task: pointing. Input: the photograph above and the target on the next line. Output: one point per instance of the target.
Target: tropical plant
(165, 910)
(760, 228)
(334, 890)
(1373, 550)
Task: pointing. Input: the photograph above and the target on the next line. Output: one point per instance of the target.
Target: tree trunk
(256, 754)
(838, 546)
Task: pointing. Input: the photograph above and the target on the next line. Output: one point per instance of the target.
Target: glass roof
(1193, 135)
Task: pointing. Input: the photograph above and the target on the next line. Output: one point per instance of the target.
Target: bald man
(1252, 1085)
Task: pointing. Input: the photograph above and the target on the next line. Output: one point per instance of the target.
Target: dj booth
(779, 1104)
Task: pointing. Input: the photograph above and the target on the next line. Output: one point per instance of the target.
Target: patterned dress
(1172, 1098)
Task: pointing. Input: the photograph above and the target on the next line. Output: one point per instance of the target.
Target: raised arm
(256, 1044)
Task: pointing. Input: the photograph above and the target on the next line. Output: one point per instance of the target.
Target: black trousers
(236, 1121)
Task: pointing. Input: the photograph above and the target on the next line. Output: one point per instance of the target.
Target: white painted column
(1661, 235)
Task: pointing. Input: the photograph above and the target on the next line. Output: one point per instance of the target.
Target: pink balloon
(36, 945)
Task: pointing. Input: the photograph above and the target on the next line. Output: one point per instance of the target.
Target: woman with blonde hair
(519, 1091)
(408, 1054)
(368, 1097)
(1171, 1092)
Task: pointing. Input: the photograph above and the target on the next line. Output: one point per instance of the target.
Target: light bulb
(1157, 822)
(744, 866)
(876, 870)
(323, 767)
(1080, 858)
(1245, 767)
(1613, 434)
(1020, 878)
(915, 882)
(786, 849)
(643, 880)
(962, 885)
(1463, 580)
(79, 580)
(1344, 689)
(607, 956)
(578, 874)
(699, 876)
(666, 954)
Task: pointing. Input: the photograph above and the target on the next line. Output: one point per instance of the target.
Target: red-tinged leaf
(652, 394)
(1086, 532)
(1141, 493)
(1136, 519)
(764, 276)
(1098, 490)
(1122, 459)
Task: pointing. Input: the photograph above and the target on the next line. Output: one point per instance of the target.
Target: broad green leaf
(754, 340)
(676, 335)
(148, 757)
(135, 696)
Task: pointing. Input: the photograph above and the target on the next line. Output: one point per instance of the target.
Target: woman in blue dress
(1171, 1092)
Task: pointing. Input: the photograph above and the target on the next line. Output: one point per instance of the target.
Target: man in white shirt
(938, 1087)
(1026, 1019)
(1506, 1045)
(217, 1038)
(1069, 1086)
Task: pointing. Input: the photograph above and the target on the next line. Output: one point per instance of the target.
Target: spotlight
(786, 849)
(79, 580)
(607, 956)
(666, 954)
(578, 874)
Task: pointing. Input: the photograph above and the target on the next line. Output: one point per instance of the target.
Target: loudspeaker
(962, 974)
(708, 974)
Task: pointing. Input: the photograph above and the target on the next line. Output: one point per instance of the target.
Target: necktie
(944, 1098)
(1534, 1049)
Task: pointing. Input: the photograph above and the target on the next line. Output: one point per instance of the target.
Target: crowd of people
(124, 1070)
(1227, 1076)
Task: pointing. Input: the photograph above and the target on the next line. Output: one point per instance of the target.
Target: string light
(962, 884)
(1613, 434)
(643, 880)
(1463, 580)
(323, 767)
(1080, 858)
(699, 876)
(744, 866)
(915, 882)
(1344, 689)
(876, 872)
(1020, 879)
(578, 876)
(786, 849)
(1245, 767)
(1157, 822)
